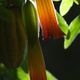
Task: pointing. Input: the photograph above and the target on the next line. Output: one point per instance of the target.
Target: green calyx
(30, 21)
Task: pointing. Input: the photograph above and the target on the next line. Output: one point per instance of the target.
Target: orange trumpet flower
(36, 62)
(48, 19)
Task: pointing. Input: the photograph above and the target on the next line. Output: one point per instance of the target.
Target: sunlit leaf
(25, 76)
(77, 2)
(50, 76)
(74, 30)
(22, 75)
(62, 23)
(5, 14)
(65, 6)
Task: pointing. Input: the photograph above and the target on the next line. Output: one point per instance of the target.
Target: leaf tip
(65, 46)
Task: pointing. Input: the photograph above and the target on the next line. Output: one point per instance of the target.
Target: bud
(13, 40)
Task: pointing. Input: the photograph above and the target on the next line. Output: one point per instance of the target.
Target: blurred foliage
(77, 2)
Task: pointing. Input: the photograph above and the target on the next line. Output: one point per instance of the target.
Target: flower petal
(36, 62)
(48, 19)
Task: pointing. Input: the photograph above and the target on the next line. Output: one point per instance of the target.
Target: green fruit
(13, 41)
(30, 21)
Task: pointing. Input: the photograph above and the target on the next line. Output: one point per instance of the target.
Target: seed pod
(13, 41)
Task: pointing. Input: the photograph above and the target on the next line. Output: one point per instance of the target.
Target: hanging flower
(35, 58)
(48, 19)
(36, 62)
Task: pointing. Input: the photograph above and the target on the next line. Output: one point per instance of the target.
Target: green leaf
(22, 75)
(74, 29)
(77, 2)
(8, 73)
(25, 76)
(65, 6)
(62, 23)
(50, 76)
(12, 74)
(5, 14)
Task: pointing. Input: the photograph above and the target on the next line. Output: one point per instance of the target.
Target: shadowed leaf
(5, 14)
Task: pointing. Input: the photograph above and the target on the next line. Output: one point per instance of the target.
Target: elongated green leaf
(77, 2)
(5, 14)
(62, 23)
(74, 30)
(65, 6)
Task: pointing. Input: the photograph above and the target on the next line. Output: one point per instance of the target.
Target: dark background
(63, 64)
